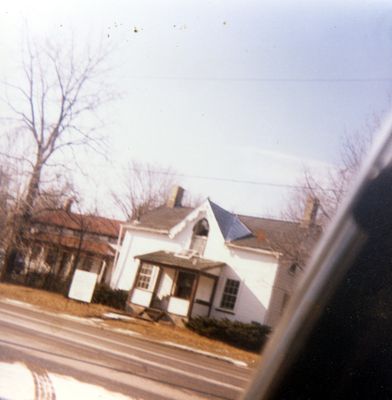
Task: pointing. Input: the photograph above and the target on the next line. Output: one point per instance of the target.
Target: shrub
(40, 280)
(239, 334)
(53, 283)
(103, 294)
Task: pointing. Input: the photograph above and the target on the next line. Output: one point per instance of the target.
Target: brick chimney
(310, 212)
(175, 197)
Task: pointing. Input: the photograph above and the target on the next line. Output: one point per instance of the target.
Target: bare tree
(315, 200)
(192, 200)
(10, 198)
(144, 187)
(56, 196)
(331, 189)
(57, 94)
(5, 202)
(53, 111)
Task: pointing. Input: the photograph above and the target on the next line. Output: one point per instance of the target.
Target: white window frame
(227, 294)
(145, 278)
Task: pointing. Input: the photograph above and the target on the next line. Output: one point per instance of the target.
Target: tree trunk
(32, 192)
(22, 219)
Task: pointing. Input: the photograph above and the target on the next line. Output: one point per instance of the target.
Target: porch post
(174, 284)
(193, 294)
(101, 270)
(157, 281)
(134, 282)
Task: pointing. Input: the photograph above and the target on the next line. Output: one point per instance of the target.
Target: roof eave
(254, 249)
(191, 216)
(145, 229)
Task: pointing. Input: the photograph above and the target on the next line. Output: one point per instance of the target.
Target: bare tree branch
(56, 94)
(143, 189)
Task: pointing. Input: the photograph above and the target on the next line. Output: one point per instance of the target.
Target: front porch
(174, 284)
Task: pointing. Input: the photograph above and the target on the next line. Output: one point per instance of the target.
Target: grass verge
(57, 303)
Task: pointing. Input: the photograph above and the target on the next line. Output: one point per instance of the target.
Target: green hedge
(103, 294)
(239, 334)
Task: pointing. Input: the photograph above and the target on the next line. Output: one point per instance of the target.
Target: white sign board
(83, 285)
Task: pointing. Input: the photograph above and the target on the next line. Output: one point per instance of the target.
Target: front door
(184, 285)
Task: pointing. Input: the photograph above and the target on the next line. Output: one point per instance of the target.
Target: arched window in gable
(293, 268)
(199, 236)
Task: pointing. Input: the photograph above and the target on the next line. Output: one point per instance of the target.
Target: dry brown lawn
(57, 303)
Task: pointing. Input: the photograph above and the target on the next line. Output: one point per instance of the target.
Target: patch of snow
(16, 382)
(97, 320)
(111, 315)
(125, 332)
(82, 320)
(18, 303)
(70, 388)
(208, 354)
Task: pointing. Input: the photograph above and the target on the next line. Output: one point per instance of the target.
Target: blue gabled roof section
(229, 224)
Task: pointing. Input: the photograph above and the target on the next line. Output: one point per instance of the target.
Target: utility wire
(222, 179)
(256, 79)
(169, 172)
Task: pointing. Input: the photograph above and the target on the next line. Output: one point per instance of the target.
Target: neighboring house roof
(177, 260)
(276, 235)
(71, 242)
(79, 222)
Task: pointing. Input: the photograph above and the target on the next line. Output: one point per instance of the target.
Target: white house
(182, 262)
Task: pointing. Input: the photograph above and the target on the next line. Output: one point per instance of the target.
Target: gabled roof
(79, 222)
(162, 218)
(241, 231)
(230, 225)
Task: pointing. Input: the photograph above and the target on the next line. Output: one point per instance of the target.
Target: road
(121, 363)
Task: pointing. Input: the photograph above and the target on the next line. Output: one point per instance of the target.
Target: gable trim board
(141, 228)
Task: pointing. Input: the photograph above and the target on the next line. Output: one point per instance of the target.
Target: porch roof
(180, 261)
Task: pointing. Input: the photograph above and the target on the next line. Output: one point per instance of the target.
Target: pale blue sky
(245, 90)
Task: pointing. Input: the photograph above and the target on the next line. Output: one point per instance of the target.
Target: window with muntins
(230, 294)
(144, 278)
